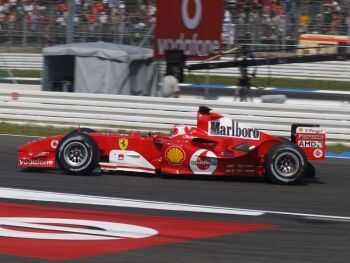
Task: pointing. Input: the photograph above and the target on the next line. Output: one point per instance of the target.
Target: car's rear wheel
(285, 163)
(77, 154)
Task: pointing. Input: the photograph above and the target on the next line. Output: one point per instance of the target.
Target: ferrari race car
(218, 146)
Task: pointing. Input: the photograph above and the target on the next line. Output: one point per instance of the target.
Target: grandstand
(39, 23)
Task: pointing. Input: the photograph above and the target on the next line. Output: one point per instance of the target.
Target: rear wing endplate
(311, 138)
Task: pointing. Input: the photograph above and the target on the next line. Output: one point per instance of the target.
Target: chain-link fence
(35, 23)
(281, 23)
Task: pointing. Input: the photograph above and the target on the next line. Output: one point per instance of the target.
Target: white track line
(338, 157)
(22, 194)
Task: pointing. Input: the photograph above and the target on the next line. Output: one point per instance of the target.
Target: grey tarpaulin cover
(101, 68)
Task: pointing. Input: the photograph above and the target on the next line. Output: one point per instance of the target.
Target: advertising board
(191, 25)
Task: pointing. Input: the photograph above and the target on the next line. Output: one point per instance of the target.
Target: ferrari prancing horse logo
(123, 143)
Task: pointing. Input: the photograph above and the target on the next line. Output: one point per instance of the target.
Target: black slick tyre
(77, 154)
(83, 130)
(285, 164)
(86, 130)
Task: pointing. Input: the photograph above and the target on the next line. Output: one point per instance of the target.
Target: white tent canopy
(101, 68)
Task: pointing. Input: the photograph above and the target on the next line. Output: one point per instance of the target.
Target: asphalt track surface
(293, 238)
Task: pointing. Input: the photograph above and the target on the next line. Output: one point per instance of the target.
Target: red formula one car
(218, 146)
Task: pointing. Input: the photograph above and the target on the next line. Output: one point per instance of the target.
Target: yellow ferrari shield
(123, 143)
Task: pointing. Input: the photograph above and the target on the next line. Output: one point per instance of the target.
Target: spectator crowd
(252, 21)
(276, 21)
(47, 20)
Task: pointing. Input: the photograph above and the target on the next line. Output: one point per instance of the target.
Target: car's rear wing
(311, 138)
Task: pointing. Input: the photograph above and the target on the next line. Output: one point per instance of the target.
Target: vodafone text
(38, 162)
(192, 46)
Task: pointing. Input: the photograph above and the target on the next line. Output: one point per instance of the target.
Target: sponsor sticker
(203, 162)
(175, 155)
(132, 159)
(310, 144)
(318, 153)
(123, 143)
(54, 144)
(311, 136)
(310, 130)
(313, 142)
(230, 128)
(35, 162)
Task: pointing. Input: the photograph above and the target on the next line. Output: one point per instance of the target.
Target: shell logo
(175, 155)
(300, 130)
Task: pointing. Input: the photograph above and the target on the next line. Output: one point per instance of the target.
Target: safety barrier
(160, 114)
(332, 70)
(25, 61)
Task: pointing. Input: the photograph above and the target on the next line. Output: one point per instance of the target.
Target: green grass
(21, 73)
(16, 129)
(274, 82)
(6, 128)
(225, 80)
(338, 148)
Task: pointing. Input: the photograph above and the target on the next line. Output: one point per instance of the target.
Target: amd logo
(310, 144)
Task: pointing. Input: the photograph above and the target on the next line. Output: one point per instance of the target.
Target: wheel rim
(287, 164)
(75, 154)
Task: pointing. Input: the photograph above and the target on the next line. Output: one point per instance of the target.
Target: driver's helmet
(178, 130)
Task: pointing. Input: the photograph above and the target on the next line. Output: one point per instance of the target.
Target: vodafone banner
(190, 25)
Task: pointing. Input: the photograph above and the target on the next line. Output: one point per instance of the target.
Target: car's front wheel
(77, 154)
(285, 163)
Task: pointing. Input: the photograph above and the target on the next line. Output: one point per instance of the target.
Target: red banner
(190, 25)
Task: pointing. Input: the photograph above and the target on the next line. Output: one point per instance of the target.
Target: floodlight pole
(70, 22)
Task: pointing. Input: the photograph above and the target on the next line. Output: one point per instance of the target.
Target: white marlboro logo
(227, 127)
